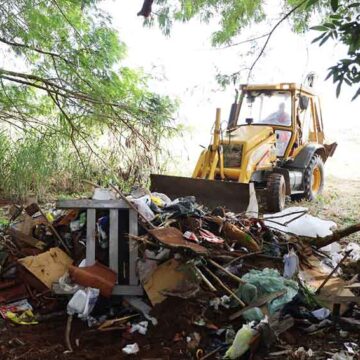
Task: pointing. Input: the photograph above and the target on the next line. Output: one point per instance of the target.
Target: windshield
(266, 107)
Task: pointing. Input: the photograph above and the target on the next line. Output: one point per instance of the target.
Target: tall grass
(40, 165)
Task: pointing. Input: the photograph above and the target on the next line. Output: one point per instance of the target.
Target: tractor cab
(292, 111)
(269, 108)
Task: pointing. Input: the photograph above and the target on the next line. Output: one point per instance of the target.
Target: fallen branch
(228, 290)
(234, 277)
(67, 333)
(333, 272)
(335, 236)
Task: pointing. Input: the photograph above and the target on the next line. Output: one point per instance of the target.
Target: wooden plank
(90, 236)
(114, 240)
(133, 247)
(91, 204)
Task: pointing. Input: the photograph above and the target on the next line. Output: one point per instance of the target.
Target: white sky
(185, 64)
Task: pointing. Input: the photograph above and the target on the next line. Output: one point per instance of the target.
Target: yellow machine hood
(251, 134)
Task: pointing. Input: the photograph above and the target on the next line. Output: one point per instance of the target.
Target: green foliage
(37, 164)
(234, 15)
(73, 91)
(343, 25)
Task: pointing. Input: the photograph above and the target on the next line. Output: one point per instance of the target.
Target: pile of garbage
(215, 284)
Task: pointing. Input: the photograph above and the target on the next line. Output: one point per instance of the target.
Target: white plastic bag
(291, 264)
(83, 302)
(321, 313)
(140, 327)
(131, 349)
(143, 206)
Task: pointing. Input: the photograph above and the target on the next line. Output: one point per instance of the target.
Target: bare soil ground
(340, 202)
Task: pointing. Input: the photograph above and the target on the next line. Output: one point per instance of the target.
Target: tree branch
(40, 51)
(335, 236)
(146, 9)
(244, 41)
(61, 91)
(271, 33)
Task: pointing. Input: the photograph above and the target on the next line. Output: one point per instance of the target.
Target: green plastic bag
(266, 282)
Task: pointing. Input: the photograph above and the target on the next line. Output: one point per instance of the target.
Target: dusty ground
(340, 202)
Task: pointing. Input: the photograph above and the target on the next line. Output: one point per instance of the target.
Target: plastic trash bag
(291, 264)
(254, 314)
(268, 281)
(131, 349)
(143, 206)
(241, 342)
(247, 292)
(164, 198)
(321, 313)
(83, 302)
(306, 225)
(140, 327)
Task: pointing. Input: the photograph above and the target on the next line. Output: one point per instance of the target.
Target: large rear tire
(276, 192)
(314, 178)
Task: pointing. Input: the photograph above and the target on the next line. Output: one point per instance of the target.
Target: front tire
(314, 178)
(276, 192)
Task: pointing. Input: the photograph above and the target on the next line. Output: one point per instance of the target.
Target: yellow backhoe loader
(274, 140)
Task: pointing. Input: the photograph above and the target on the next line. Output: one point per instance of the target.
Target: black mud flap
(211, 193)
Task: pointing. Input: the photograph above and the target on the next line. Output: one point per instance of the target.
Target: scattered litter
(268, 281)
(140, 327)
(303, 354)
(25, 318)
(15, 307)
(210, 237)
(351, 348)
(131, 349)
(83, 302)
(97, 276)
(241, 342)
(321, 313)
(49, 266)
(291, 264)
(289, 221)
(200, 283)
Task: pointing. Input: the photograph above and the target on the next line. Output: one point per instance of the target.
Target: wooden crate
(116, 209)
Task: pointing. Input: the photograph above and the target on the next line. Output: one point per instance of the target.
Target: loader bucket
(211, 193)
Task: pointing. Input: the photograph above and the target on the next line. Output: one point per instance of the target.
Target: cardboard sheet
(49, 266)
(167, 277)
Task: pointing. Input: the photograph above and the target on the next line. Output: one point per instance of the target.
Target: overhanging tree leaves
(62, 74)
(340, 17)
(343, 25)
